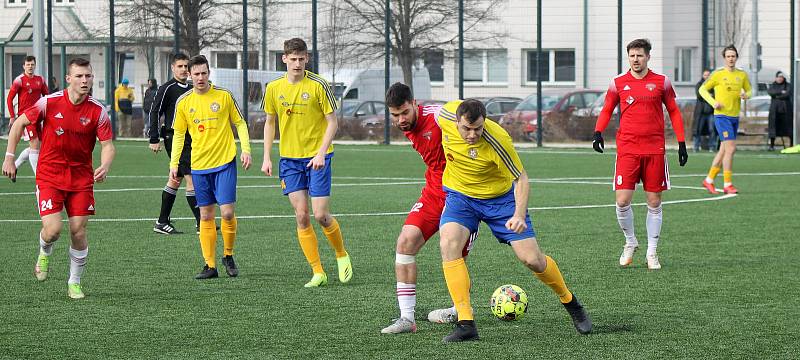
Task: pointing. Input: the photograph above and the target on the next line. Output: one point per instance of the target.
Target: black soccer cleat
(166, 229)
(464, 330)
(580, 318)
(207, 273)
(230, 266)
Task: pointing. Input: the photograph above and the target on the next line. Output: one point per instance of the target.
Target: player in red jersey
(67, 122)
(29, 88)
(418, 124)
(640, 145)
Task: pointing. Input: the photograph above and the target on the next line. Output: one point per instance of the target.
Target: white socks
(45, 248)
(23, 156)
(625, 219)
(33, 156)
(77, 260)
(654, 219)
(407, 299)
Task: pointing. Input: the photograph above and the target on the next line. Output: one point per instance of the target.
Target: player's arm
(675, 116)
(12, 93)
(611, 102)
(179, 126)
(154, 116)
(107, 153)
(14, 135)
(45, 89)
(708, 85)
(508, 161)
(522, 190)
(269, 129)
(747, 89)
(241, 129)
(318, 161)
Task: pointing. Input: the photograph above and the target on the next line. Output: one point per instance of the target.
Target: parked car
(557, 106)
(497, 107)
(582, 121)
(358, 118)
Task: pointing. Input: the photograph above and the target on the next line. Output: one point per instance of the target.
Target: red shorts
(425, 215)
(651, 170)
(29, 132)
(51, 201)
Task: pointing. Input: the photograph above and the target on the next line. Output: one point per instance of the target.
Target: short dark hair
(198, 60)
(178, 56)
(640, 44)
(398, 94)
(30, 58)
(294, 45)
(471, 108)
(730, 47)
(79, 62)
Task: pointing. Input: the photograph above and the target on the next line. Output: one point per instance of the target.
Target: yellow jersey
(728, 86)
(301, 110)
(484, 170)
(208, 118)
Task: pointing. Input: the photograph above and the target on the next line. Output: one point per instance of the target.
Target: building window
(433, 60)
(279, 65)
(683, 65)
(485, 66)
(60, 2)
(556, 66)
(12, 3)
(226, 60)
(14, 67)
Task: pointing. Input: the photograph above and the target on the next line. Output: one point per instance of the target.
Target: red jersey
(29, 89)
(68, 133)
(426, 138)
(641, 123)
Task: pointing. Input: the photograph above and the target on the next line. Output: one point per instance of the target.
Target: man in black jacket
(703, 119)
(164, 104)
(147, 103)
(780, 110)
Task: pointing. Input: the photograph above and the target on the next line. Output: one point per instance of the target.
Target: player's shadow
(612, 328)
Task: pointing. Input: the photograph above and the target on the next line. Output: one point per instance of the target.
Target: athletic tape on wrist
(10, 154)
(405, 259)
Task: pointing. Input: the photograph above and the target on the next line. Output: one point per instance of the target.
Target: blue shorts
(727, 127)
(296, 175)
(215, 186)
(468, 211)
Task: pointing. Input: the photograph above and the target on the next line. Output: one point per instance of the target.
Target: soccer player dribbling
(68, 123)
(484, 181)
(207, 113)
(640, 93)
(28, 88)
(418, 124)
(304, 104)
(730, 84)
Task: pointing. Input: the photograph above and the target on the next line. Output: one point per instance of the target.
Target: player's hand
(718, 105)
(597, 142)
(247, 160)
(100, 174)
(10, 169)
(155, 147)
(683, 156)
(744, 96)
(173, 174)
(11, 119)
(266, 167)
(317, 162)
(516, 224)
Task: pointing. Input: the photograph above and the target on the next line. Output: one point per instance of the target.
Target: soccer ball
(509, 302)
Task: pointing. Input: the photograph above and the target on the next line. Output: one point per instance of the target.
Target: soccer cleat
(230, 266)
(652, 262)
(74, 291)
(345, 268)
(580, 318)
(319, 279)
(464, 330)
(401, 325)
(627, 254)
(730, 190)
(166, 229)
(207, 273)
(710, 187)
(42, 266)
(443, 316)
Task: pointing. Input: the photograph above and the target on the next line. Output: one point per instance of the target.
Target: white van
(369, 84)
(231, 79)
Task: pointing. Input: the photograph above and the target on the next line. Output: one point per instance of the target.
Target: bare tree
(735, 29)
(417, 26)
(335, 50)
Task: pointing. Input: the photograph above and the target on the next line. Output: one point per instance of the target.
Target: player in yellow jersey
(730, 85)
(207, 113)
(485, 181)
(304, 105)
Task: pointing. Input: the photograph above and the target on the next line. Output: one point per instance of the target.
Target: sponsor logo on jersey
(626, 87)
(59, 116)
(91, 208)
(201, 128)
(84, 120)
(450, 157)
(191, 110)
(446, 138)
(629, 100)
(473, 153)
(60, 131)
(196, 121)
(214, 107)
(427, 135)
(285, 104)
(305, 96)
(650, 86)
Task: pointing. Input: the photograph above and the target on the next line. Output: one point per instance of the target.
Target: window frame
(679, 69)
(484, 55)
(550, 54)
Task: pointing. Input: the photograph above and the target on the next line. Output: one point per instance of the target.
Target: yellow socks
(208, 242)
(551, 277)
(228, 235)
(457, 278)
(334, 235)
(712, 173)
(308, 242)
(727, 176)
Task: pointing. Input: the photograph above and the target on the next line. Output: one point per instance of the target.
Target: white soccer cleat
(443, 316)
(74, 291)
(627, 254)
(652, 262)
(401, 325)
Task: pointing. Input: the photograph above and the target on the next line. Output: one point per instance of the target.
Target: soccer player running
(304, 105)
(207, 113)
(730, 85)
(641, 94)
(418, 124)
(164, 105)
(29, 88)
(68, 123)
(485, 181)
